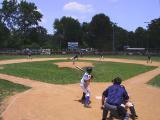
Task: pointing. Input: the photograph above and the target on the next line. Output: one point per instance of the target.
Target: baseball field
(51, 88)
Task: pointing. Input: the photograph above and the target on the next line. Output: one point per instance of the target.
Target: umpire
(113, 97)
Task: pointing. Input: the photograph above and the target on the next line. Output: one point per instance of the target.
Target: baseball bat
(80, 68)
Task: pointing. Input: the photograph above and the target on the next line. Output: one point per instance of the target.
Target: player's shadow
(79, 100)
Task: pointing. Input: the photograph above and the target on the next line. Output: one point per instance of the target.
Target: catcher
(115, 98)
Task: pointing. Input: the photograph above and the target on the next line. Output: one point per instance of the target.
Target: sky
(128, 14)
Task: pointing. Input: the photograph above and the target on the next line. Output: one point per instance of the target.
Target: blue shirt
(116, 94)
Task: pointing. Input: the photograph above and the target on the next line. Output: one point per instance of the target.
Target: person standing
(29, 53)
(74, 58)
(149, 60)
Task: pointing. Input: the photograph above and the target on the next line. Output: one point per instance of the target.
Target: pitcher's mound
(71, 65)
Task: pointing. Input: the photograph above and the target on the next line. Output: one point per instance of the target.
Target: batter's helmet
(117, 80)
(89, 69)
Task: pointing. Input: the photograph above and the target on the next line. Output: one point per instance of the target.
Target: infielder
(29, 53)
(149, 59)
(101, 56)
(84, 84)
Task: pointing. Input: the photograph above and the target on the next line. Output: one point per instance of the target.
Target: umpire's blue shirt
(116, 94)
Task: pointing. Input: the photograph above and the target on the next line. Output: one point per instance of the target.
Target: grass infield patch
(8, 88)
(155, 81)
(48, 72)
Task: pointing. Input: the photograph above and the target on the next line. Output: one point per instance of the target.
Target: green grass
(106, 71)
(155, 81)
(130, 57)
(43, 71)
(134, 57)
(8, 57)
(8, 88)
(50, 73)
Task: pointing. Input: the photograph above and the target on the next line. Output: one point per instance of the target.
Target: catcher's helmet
(117, 80)
(89, 70)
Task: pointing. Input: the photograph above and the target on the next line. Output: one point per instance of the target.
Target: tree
(154, 33)
(27, 23)
(58, 27)
(101, 32)
(20, 18)
(51, 42)
(68, 30)
(4, 35)
(140, 38)
(9, 14)
(37, 35)
(121, 37)
(29, 16)
(85, 34)
(59, 34)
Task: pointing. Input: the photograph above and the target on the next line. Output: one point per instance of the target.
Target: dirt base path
(60, 102)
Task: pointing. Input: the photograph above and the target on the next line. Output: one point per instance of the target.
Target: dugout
(135, 51)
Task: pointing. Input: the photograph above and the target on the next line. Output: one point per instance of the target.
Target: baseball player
(84, 84)
(129, 104)
(149, 60)
(113, 99)
(74, 58)
(29, 53)
(101, 56)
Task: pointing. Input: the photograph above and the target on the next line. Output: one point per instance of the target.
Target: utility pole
(147, 36)
(113, 39)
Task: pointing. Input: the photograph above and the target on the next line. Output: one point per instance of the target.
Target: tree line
(19, 28)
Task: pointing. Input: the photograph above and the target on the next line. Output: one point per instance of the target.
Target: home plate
(98, 97)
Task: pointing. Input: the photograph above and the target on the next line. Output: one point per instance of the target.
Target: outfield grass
(48, 72)
(155, 81)
(134, 57)
(130, 57)
(8, 57)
